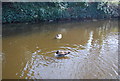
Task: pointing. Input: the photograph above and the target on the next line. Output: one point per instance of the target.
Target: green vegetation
(18, 12)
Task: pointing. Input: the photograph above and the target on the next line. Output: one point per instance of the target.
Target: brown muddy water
(28, 50)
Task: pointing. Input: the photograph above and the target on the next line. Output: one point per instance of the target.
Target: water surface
(29, 50)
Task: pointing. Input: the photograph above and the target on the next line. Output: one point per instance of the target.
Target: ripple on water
(93, 47)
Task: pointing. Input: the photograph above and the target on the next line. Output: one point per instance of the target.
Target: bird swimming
(58, 36)
(61, 53)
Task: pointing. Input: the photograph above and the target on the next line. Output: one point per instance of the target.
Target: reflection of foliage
(46, 11)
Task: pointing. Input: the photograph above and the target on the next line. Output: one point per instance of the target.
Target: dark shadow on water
(26, 29)
(63, 57)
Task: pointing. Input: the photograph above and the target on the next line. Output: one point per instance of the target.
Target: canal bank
(37, 12)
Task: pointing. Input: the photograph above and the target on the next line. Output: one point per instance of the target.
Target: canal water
(28, 50)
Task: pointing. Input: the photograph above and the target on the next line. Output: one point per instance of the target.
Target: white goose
(58, 36)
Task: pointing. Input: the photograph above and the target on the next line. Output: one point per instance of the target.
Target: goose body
(58, 36)
(61, 53)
